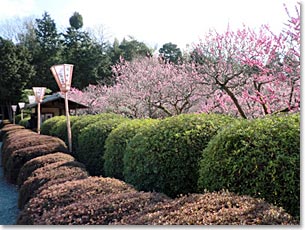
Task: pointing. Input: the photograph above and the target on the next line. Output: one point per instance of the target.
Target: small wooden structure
(54, 105)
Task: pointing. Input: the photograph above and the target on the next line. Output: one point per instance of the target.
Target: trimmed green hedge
(165, 156)
(24, 122)
(91, 143)
(85, 120)
(258, 157)
(48, 125)
(60, 128)
(115, 146)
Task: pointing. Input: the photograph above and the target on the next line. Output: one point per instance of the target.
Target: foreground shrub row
(56, 189)
(193, 153)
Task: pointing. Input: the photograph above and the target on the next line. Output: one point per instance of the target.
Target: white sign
(14, 108)
(39, 93)
(63, 76)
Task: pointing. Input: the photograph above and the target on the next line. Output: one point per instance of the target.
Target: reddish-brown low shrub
(49, 175)
(217, 208)
(15, 134)
(102, 210)
(7, 128)
(90, 201)
(19, 157)
(39, 162)
(29, 141)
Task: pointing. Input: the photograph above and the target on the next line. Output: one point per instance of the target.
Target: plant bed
(29, 141)
(59, 195)
(51, 174)
(19, 157)
(216, 208)
(7, 128)
(40, 162)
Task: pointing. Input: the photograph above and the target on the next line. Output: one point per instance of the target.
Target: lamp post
(39, 94)
(63, 76)
(14, 108)
(21, 106)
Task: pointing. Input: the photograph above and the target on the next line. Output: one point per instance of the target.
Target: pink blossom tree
(149, 87)
(247, 73)
(250, 73)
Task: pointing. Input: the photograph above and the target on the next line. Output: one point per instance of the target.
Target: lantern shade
(39, 93)
(63, 76)
(14, 108)
(21, 105)
(31, 99)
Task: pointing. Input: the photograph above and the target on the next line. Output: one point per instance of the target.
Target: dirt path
(8, 200)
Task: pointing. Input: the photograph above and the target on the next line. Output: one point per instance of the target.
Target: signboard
(31, 99)
(63, 76)
(39, 93)
(14, 108)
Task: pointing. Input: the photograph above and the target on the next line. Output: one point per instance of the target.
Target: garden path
(8, 199)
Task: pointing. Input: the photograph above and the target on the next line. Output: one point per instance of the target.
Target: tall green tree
(128, 49)
(90, 62)
(170, 53)
(15, 73)
(47, 53)
(76, 21)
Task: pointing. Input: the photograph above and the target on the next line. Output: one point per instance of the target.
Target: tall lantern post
(63, 76)
(39, 94)
(14, 108)
(21, 106)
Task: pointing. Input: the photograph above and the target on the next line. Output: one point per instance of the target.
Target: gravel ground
(8, 200)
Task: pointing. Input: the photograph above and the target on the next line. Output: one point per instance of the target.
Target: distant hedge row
(193, 153)
(56, 189)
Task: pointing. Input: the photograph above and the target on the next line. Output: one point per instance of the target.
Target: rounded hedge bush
(39, 162)
(85, 120)
(9, 127)
(116, 143)
(60, 128)
(25, 141)
(216, 208)
(51, 174)
(24, 122)
(164, 157)
(19, 157)
(55, 198)
(258, 157)
(91, 143)
(48, 125)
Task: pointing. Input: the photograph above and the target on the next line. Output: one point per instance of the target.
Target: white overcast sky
(156, 22)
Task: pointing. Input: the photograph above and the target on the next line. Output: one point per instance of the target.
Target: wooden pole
(68, 122)
(38, 118)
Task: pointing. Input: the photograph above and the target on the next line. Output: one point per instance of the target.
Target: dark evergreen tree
(76, 21)
(128, 49)
(47, 53)
(15, 73)
(170, 53)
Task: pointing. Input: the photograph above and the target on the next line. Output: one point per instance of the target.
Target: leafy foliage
(259, 157)
(76, 21)
(164, 156)
(30, 166)
(115, 146)
(216, 208)
(170, 53)
(83, 121)
(98, 200)
(55, 173)
(20, 156)
(47, 127)
(91, 143)
(15, 71)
